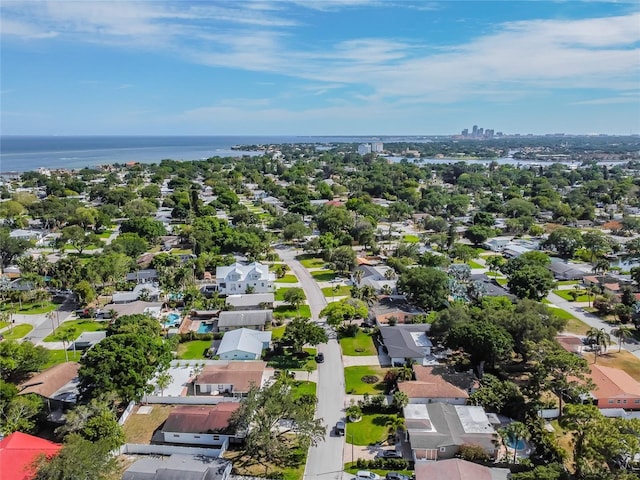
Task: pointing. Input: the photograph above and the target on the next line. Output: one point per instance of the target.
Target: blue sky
(333, 67)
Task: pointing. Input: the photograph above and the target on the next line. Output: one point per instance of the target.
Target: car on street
(366, 475)
(340, 428)
(390, 454)
(320, 358)
(396, 476)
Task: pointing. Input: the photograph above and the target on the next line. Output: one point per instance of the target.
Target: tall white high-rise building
(377, 147)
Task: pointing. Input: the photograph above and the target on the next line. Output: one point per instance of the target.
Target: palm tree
(386, 290)
(394, 426)
(599, 339)
(163, 380)
(390, 274)
(357, 276)
(514, 431)
(68, 336)
(621, 333)
(368, 294)
(591, 291)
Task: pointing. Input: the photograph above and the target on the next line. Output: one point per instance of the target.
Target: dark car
(396, 476)
(340, 426)
(320, 357)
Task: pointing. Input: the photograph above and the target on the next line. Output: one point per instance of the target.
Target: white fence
(197, 400)
(141, 449)
(126, 413)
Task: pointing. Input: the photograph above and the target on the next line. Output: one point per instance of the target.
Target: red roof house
(19, 450)
(615, 388)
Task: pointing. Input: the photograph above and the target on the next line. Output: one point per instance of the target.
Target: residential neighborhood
(462, 320)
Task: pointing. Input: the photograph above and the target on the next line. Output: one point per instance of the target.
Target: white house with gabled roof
(235, 278)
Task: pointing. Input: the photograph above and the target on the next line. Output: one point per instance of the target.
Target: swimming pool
(520, 445)
(171, 320)
(205, 328)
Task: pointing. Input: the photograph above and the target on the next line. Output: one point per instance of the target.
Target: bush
(383, 464)
(350, 330)
(188, 337)
(473, 453)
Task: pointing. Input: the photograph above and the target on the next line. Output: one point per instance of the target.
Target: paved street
(44, 326)
(325, 461)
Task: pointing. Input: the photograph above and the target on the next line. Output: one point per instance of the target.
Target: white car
(366, 475)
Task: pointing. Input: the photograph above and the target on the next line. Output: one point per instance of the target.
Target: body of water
(25, 153)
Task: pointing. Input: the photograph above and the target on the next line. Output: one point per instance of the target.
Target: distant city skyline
(321, 68)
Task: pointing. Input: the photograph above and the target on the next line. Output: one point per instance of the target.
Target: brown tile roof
(196, 419)
(239, 374)
(613, 383)
(429, 385)
(51, 380)
(453, 469)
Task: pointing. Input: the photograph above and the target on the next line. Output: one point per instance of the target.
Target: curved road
(324, 461)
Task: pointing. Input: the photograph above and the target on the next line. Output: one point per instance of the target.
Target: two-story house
(239, 278)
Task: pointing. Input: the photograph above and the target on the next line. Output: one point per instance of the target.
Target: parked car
(390, 454)
(85, 313)
(339, 428)
(396, 476)
(320, 358)
(367, 475)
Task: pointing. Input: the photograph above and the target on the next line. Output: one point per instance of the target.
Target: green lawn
(287, 311)
(360, 345)
(373, 428)
(288, 279)
(574, 325)
(568, 282)
(473, 264)
(18, 331)
(58, 356)
(4, 324)
(341, 291)
(311, 262)
(566, 294)
(303, 388)
(502, 281)
(287, 361)
(276, 333)
(410, 238)
(78, 326)
(193, 350)
(106, 234)
(354, 384)
(323, 275)
(29, 308)
(279, 295)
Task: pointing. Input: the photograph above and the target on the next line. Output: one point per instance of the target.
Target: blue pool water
(172, 320)
(205, 328)
(520, 445)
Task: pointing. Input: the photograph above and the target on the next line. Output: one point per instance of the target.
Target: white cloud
(515, 60)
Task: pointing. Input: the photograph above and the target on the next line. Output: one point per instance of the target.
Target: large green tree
(484, 342)
(138, 324)
(565, 241)
(302, 331)
(261, 413)
(19, 359)
(425, 286)
(533, 282)
(122, 364)
(79, 459)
